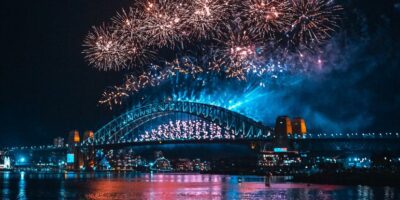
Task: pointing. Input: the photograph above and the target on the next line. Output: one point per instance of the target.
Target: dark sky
(48, 89)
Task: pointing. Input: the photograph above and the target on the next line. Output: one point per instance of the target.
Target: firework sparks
(238, 54)
(135, 83)
(265, 18)
(113, 96)
(207, 17)
(105, 51)
(239, 39)
(164, 21)
(298, 24)
(128, 24)
(313, 22)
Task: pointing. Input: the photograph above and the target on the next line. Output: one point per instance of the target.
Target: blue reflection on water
(69, 185)
(21, 186)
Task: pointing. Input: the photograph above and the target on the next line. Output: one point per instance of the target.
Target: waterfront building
(58, 142)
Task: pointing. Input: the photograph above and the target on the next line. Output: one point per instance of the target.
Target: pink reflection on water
(193, 186)
(303, 186)
(158, 186)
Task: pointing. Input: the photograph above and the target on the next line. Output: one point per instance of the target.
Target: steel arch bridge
(121, 129)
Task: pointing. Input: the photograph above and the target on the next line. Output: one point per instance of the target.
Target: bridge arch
(115, 131)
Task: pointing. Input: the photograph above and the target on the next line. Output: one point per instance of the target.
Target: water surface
(27, 185)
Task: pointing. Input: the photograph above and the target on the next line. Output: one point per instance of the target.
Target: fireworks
(207, 17)
(238, 54)
(105, 50)
(114, 96)
(266, 18)
(163, 22)
(185, 74)
(313, 22)
(235, 39)
(154, 77)
(155, 24)
(128, 24)
(112, 50)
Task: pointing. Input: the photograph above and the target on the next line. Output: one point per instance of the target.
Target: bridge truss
(216, 124)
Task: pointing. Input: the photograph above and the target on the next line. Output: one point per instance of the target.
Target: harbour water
(105, 185)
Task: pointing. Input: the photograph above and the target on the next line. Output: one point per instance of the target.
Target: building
(6, 163)
(279, 157)
(299, 125)
(58, 142)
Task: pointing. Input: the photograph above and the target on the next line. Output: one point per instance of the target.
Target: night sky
(47, 88)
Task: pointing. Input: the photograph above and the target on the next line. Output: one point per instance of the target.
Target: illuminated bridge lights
(387, 135)
(216, 124)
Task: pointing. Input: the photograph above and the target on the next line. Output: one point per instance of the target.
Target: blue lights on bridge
(219, 124)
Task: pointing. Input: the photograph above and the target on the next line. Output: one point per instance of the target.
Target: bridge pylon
(283, 128)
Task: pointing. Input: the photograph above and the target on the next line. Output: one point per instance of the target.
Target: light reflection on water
(27, 185)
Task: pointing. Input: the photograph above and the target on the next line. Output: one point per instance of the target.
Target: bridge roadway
(310, 141)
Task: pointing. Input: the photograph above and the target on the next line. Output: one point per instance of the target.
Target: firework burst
(230, 39)
(207, 17)
(128, 25)
(238, 54)
(313, 21)
(164, 22)
(266, 18)
(105, 51)
(111, 50)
